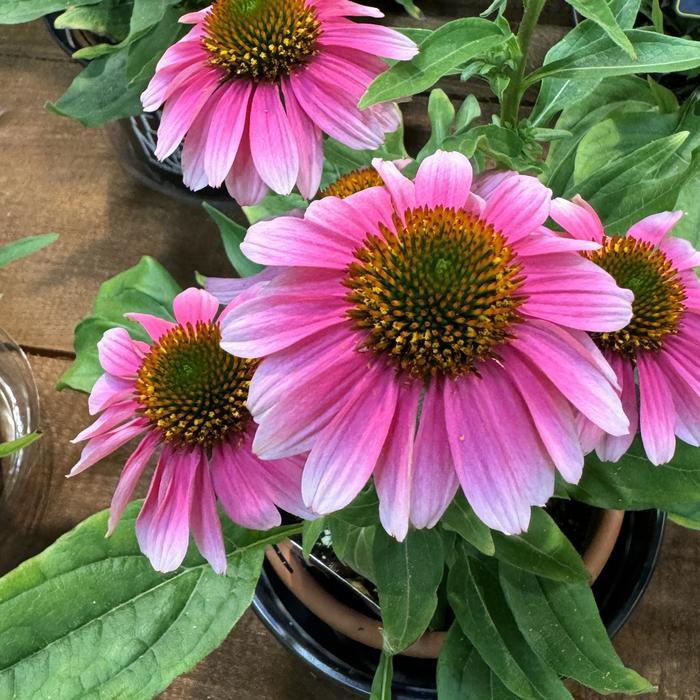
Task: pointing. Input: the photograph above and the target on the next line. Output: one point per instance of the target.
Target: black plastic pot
(617, 590)
(135, 139)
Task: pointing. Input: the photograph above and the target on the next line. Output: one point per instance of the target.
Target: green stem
(513, 94)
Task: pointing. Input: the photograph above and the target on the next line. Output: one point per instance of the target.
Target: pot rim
(366, 630)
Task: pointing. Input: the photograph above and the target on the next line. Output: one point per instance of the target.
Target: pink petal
(518, 206)
(195, 17)
(686, 403)
(272, 141)
(226, 289)
(393, 473)
(153, 325)
(119, 354)
(241, 488)
(571, 291)
(546, 242)
(194, 175)
(133, 469)
(682, 254)
(571, 368)
(578, 219)
(611, 448)
(347, 449)
(502, 471)
(309, 142)
(296, 392)
(340, 8)
(113, 415)
(653, 229)
(162, 528)
(551, 413)
(401, 189)
(657, 416)
(243, 182)
(179, 64)
(485, 183)
(225, 129)
(373, 39)
(589, 433)
(98, 448)
(204, 519)
(434, 477)
(443, 179)
(107, 391)
(194, 305)
(304, 302)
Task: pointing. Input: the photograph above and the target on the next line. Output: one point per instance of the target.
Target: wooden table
(56, 175)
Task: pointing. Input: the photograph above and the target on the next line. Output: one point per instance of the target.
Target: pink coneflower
(661, 341)
(186, 399)
(421, 335)
(254, 84)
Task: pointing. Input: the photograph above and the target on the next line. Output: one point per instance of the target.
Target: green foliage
(685, 515)
(561, 624)
(381, 685)
(411, 8)
(9, 448)
(448, 47)
(108, 17)
(599, 11)
(23, 247)
(310, 534)
(364, 509)
(18, 11)
(634, 483)
(460, 518)
(145, 288)
(353, 545)
(102, 623)
(232, 235)
(407, 575)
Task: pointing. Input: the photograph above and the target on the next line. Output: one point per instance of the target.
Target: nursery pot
(134, 139)
(329, 628)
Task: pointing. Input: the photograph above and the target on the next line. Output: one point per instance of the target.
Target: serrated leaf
(462, 673)
(381, 683)
(481, 610)
(634, 483)
(543, 550)
(453, 44)
(232, 235)
(9, 448)
(460, 518)
(21, 248)
(407, 575)
(561, 623)
(102, 623)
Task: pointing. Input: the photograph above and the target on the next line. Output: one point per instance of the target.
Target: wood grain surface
(55, 175)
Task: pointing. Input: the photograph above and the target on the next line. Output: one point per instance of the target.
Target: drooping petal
(656, 411)
(113, 415)
(373, 39)
(194, 305)
(443, 179)
(244, 496)
(204, 519)
(243, 182)
(393, 474)
(434, 477)
(133, 469)
(272, 142)
(518, 206)
(578, 219)
(346, 451)
(653, 229)
(98, 448)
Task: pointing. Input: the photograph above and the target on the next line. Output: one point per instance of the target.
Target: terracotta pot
(367, 630)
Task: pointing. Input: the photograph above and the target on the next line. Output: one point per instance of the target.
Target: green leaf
(364, 509)
(353, 545)
(599, 11)
(18, 11)
(89, 617)
(686, 515)
(274, 205)
(407, 575)
(665, 99)
(468, 111)
(453, 44)
(312, 530)
(381, 684)
(24, 247)
(689, 202)
(562, 625)
(232, 235)
(411, 8)
(145, 288)
(108, 18)
(441, 113)
(656, 53)
(101, 92)
(481, 610)
(9, 448)
(462, 673)
(634, 483)
(542, 550)
(460, 518)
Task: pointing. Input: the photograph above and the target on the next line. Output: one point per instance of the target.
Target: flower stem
(513, 94)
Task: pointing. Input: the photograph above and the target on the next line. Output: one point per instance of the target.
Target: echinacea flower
(418, 334)
(254, 84)
(186, 399)
(661, 341)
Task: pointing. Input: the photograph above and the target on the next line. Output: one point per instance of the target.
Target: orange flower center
(353, 182)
